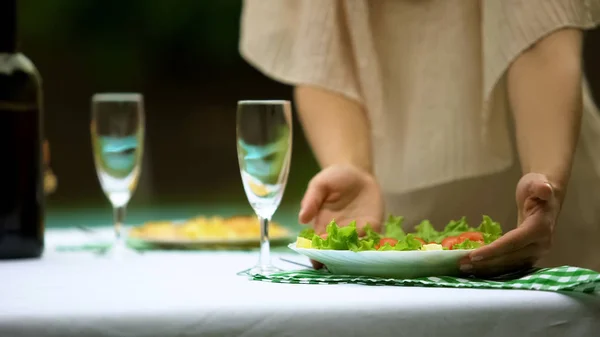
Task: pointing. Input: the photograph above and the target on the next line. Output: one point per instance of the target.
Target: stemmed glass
(264, 147)
(117, 130)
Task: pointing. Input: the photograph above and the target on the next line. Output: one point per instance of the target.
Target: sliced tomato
(419, 239)
(323, 236)
(450, 241)
(464, 239)
(473, 236)
(383, 241)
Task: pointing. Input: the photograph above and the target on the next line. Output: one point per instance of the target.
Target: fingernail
(476, 258)
(301, 213)
(466, 267)
(551, 187)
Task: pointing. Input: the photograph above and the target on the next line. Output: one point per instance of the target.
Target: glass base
(115, 251)
(262, 270)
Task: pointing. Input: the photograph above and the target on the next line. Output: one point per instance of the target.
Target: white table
(198, 294)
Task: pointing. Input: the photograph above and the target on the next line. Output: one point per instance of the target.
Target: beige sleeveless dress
(431, 74)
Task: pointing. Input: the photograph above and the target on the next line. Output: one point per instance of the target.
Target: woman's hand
(544, 91)
(344, 193)
(522, 247)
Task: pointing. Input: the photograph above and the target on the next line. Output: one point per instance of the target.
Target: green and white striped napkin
(548, 279)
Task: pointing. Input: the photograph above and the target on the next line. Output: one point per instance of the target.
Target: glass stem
(118, 220)
(265, 249)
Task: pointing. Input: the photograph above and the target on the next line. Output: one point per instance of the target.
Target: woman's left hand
(522, 247)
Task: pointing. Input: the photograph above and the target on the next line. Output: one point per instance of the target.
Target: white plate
(391, 264)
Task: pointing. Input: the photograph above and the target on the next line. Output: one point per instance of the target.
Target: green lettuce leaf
(408, 243)
(362, 245)
(393, 227)
(467, 244)
(426, 231)
(307, 233)
(385, 247)
(455, 227)
(338, 238)
(491, 230)
(371, 234)
(368, 241)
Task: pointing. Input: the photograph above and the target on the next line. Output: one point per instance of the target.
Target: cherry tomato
(419, 239)
(450, 241)
(473, 236)
(383, 241)
(478, 241)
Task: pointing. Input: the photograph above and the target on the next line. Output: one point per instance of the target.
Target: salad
(456, 235)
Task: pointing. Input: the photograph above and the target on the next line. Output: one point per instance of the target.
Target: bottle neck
(8, 26)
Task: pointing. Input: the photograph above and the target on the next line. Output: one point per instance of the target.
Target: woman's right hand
(344, 193)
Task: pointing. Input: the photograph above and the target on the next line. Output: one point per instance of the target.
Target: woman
(406, 104)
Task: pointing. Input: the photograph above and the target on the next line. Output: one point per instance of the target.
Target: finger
(360, 228)
(311, 202)
(534, 185)
(373, 222)
(322, 234)
(541, 189)
(316, 264)
(320, 223)
(516, 260)
(321, 229)
(509, 242)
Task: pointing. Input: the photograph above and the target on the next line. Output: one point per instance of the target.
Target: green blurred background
(183, 56)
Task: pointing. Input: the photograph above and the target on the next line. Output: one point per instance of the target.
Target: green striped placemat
(564, 278)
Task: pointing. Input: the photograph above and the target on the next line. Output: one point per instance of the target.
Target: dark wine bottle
(21, 135)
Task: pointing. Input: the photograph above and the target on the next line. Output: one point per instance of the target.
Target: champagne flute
(264, 147)
(117, 130)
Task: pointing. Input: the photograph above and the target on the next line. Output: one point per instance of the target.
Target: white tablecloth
(183, 294)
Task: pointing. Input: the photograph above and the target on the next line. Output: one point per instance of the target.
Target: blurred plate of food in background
(216, 231)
